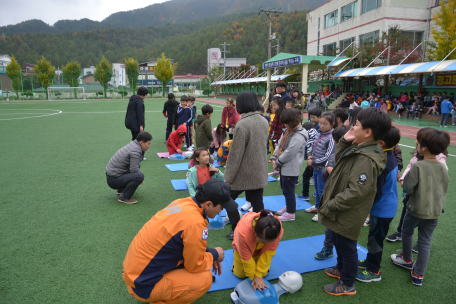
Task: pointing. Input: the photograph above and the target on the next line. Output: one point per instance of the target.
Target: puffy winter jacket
(203, 134)
(175, 140)
(135, 113)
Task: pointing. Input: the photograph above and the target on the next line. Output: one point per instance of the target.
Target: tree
(45, 73)
(71, 74)
(132, 70)
(445, 38)
(103, 73)
(164, 71)
(13, 70)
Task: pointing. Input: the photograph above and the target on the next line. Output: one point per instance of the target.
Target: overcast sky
(50, 11)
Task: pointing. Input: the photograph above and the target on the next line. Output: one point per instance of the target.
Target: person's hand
(221, 254)
(402, 183)
(142, 183)
(350, 135)
(309, 162)
(258, 283)
(141, 129)
(217, 268)
(179, 151)
(399, 176)
(213, 169)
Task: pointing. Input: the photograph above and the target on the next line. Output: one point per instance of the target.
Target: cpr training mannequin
(255, 242)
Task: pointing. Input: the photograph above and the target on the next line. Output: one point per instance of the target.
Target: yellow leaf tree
(103, 73)
(71, 73)
(164, 71)
(45, 73)
(13, 70)
(132, 71)
(445, 36)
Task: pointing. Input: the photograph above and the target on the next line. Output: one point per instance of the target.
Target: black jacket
(135, 113)
(169, 107)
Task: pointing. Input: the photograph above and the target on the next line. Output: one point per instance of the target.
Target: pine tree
(45, 73)
(445, 37)
(71, 74)
(103, 73)
(132, 71)
(13, 70)
(164, 71)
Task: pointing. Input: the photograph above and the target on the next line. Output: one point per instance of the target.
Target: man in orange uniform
(168, 261)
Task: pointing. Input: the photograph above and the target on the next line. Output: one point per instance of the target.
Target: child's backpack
(223, 152)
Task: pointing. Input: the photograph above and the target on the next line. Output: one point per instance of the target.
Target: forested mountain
(170, 12)
(186, 43)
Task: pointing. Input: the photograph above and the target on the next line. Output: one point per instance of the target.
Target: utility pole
(270, 14)
(224, 56)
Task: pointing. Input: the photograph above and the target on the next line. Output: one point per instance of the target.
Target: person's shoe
(311, 182)
(400, 261)
(366, 276)
(165, 141)
(315, 218)
(417, 280)
(333, 272)
(340, 289)
(246, 206)
(362, 264)
(280, 212)
(273, 173)
(399, 116)
(445, 126)
(286, 217)
(396, 236)
(302, 197)
(312, 209)
(367, 222)
(415, 248)
(278, 178)
(230, 235)
(119, 191)
(324, 254)
(128, 202)
(297, 182)
(441, 126)
(144, 159)
(190, 148)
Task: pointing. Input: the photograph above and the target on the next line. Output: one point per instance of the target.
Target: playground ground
(64, 235)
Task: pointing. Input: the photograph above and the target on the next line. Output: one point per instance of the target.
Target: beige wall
(410, 3)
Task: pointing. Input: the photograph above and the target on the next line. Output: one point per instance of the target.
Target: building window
(437, 2)
(349, 11)
(345, 43)
(331, 19)
(369, 5)
(329, 49)
(369, 38)
(414, 37)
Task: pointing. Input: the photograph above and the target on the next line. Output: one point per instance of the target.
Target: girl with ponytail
(255, 242)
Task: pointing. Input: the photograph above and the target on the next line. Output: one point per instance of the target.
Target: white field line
(415, 148)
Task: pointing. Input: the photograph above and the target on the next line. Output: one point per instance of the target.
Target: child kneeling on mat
(202, 172)
(174, 142)
(255, 242)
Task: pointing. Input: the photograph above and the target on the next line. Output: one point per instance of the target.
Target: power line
(270, 14)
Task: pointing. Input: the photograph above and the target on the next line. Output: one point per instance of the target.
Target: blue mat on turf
(271, 179)
(293, 255)
(275, 203)
(181, 184)
(184, 166)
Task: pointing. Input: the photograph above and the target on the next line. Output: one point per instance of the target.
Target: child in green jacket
(202, 172)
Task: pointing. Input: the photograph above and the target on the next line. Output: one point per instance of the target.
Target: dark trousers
(329, 239)
(128, 182)
(188, 141)
(410, 111)
(347, 258)
(255, 197)
(230, 136)
(306, 176)
(378, 229)
(169, 127)
(444, 118)
(288, 184)
(404, 210)
(134, 134)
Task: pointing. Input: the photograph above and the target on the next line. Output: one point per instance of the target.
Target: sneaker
(333, 272)
(324, 253)
(366, 276)
(144, 159)
(399, 115)
(417, 280)
(302, 197)
(190, 148)
(446, 127)
(246, 206)
(339, 289)
(396, 236)
(286, 217)
(297, 182)
(230, 235)
(362, 264)
(128, 202)
(280, 212)
(119, 191)
(274, 173)
(314, 194)
(311, 182)
(400, 261)
(315, 218)
(367, 222)
(312, 209)
(415, 248)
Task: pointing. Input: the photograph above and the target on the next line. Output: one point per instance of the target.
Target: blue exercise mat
(275, 203)
(271, 179)
(181, 184)
(184, 166)
(293, 255)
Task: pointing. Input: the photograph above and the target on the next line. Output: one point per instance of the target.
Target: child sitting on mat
(288, 159)
(255, 242)
(202, 172)
(175, 139)
(218, 138)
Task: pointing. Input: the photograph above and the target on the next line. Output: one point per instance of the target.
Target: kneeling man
(122, 171)
(168, 261)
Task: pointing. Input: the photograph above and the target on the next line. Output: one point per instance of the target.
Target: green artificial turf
(64, 235)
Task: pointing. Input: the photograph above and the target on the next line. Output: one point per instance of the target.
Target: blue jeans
(319, 187)
(453, 115)
(288, 183)
(444, 118)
